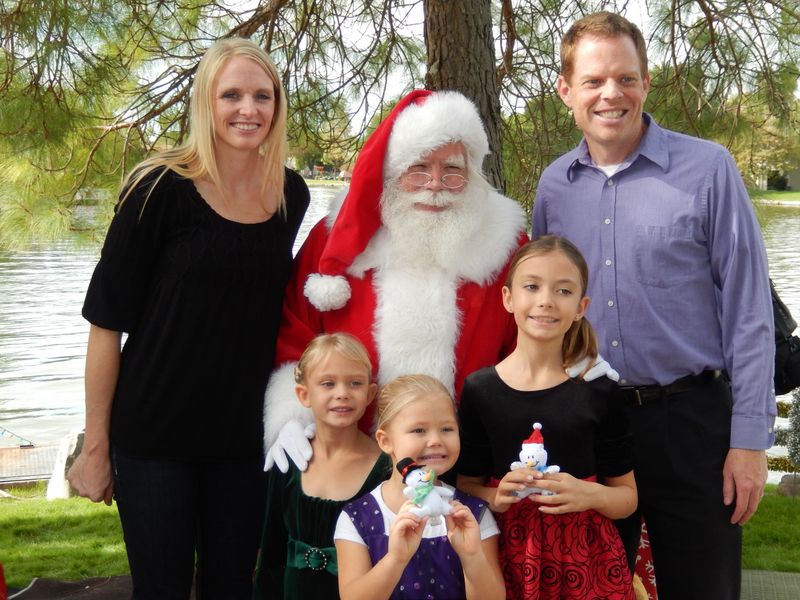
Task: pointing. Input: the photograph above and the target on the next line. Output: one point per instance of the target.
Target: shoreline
(769, 202)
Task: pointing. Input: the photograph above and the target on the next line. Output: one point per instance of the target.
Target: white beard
(427, 238)
(417, 318)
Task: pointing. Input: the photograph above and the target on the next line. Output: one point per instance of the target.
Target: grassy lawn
(329, 182)
(74, 539)
(771, 536)
(61, 539)
(790, 196)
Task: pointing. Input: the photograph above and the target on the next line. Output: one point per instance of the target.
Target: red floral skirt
(550, 557)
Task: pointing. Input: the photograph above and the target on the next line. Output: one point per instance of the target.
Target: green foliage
(793, 442)
(781, 464)
(64, 539)
(783, 409)
(89, 87)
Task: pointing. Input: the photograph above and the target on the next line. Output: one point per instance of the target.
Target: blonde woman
(193, 270)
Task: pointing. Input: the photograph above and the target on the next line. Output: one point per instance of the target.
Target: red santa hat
(535, 436)
(420, 123)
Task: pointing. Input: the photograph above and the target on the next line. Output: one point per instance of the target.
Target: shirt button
(610, 182)
(623, 381)
(611, 303)
(607, 221)
(614, 343)
(608, 262)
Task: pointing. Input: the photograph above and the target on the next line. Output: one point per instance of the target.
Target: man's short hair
(601, 24)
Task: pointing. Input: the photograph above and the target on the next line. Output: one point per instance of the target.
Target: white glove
(292, 443)
(599, 368)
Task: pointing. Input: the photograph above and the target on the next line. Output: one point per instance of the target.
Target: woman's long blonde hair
(196, 157)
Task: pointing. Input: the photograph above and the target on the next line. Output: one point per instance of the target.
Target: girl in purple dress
(384, 549)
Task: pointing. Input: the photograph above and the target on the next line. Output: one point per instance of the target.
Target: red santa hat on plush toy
(535, 438)
(420, 123)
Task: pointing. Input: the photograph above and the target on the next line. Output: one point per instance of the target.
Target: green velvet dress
(297, 558)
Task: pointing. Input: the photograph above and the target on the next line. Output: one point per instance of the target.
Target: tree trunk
(460, 45)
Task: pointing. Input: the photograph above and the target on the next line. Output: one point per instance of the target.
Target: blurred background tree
(89, 87)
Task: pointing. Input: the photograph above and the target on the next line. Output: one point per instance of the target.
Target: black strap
(784, 323)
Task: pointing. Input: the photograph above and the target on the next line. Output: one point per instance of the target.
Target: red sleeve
(300, 321)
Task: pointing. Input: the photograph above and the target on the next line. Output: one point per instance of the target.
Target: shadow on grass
(65, 539)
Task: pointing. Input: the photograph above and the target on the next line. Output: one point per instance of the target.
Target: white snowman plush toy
(534, 456)
(431, 500)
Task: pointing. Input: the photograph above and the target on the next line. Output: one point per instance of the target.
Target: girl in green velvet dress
(297, 557)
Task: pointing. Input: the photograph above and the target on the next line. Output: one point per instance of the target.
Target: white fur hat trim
(443, 117)
(327, 292)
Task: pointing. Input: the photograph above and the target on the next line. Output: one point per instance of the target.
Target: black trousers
(680, 445)
(187, 520)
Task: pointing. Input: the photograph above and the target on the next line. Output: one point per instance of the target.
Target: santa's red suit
(442, 320)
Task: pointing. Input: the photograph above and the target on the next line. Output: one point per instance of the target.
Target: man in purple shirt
(680, 301)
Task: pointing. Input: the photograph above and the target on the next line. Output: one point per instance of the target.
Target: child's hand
(405, 534)
(513, 482)
(463, 531)
(571, 494)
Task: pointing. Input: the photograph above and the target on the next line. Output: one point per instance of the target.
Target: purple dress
(434, 572)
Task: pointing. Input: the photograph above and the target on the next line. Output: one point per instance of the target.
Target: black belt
(641, 394)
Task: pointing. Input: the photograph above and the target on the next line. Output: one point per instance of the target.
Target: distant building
(793, 179)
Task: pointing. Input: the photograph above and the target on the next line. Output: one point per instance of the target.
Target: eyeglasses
(451, 181)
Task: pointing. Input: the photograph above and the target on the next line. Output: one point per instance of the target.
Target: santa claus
(410, 260)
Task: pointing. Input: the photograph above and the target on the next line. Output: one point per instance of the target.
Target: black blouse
(584, 427)
(200, 299)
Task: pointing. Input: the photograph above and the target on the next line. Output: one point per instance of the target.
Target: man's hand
(743, 479)
(90, 475)
(292, 443)
(598, 369)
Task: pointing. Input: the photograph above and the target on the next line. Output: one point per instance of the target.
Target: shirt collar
(652, 146)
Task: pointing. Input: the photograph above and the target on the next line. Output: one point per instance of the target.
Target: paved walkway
(756, 585)
(19, 465)
(768, 585)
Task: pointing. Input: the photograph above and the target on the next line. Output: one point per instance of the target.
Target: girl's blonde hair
(402, 391)
(580, 340)
(323, 345)
(196, 157)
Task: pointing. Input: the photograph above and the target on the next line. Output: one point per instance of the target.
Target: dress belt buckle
(319, 557)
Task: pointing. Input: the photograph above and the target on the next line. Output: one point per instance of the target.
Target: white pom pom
(327, 292)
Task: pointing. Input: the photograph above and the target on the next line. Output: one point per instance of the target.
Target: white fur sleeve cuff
(281, 404)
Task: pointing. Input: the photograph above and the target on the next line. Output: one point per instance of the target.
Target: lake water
(43, 336)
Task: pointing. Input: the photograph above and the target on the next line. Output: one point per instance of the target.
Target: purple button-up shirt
(678, 270)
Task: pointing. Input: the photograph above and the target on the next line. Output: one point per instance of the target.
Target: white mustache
(440, 198)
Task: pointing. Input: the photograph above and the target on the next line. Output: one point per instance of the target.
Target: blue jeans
(174, 513)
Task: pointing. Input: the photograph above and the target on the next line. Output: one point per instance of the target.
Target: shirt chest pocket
(664, 256)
